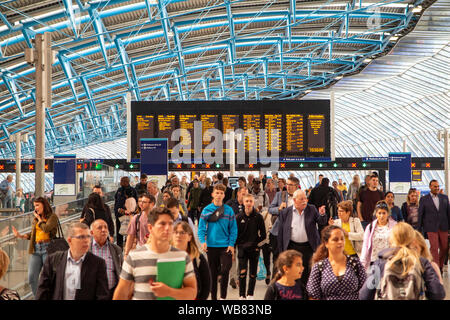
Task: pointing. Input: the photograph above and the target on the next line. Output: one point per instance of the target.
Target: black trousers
(273, 241)
(307, 252)
(219, 261)
(119, 237)
(246, 257)
(266, 251)
(194, 215)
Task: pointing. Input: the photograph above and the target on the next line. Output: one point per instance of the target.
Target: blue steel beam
(67, 69)
(133, 83)
(71, 13)
(100, 31)
(164, 22)
(12, 88)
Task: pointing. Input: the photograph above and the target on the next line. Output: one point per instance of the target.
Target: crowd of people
(323, 243)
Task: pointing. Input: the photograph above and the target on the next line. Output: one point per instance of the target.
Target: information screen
(273, 122)
(294, 133)
(166, 125)
(187, 123)
(304, 124)
(251, 121)
(145, 128)
(229, 122)
(209, 121)
(316, 133)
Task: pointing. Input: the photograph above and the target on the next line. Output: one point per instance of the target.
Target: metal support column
(18, 162)
(42, 57)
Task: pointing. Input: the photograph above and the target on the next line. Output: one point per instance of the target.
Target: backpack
(395, 286)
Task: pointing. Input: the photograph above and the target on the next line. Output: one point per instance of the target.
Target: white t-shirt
(380, 240)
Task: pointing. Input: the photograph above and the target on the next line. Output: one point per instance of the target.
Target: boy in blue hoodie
(217, 239)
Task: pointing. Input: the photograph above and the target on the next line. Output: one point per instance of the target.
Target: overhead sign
(399, 166)
(154, 158)
(64, 174)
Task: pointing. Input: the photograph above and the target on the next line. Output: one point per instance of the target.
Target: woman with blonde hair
(184, 240)
(5, 293)
(421, 247)
(403, 264)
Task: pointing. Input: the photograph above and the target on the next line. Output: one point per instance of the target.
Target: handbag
(124, 222)
(58, 243)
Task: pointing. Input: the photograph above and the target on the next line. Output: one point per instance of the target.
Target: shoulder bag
(58, 243)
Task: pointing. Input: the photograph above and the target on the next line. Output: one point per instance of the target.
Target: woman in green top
(353, 230)
(43, 229)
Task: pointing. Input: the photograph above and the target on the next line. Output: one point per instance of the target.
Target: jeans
(248, 260)
(220, 264)
(37, 260)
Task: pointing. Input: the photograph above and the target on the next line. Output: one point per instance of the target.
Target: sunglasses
(382, 205)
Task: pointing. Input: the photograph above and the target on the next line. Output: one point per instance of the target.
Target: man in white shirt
(298, 229)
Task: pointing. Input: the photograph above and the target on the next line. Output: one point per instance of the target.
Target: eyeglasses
(140, 201)
(82, 237)
(291, 184)
(181, 233)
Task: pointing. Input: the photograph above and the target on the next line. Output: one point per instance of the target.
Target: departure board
(166, 125)
(304, 125)
(229, 122)
(209, 121)
(316, 133)
(145, 128)
(187, 122)
(273, 122)
(294, 133)
(251, 121)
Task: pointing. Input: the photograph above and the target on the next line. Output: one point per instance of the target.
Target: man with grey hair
(111, 253)
(74, 274)
(7, 192)
(298, 229)
(152, 188)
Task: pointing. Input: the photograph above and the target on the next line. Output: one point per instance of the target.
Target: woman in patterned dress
(334, 275)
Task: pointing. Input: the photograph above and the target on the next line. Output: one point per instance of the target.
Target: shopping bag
(262, 272)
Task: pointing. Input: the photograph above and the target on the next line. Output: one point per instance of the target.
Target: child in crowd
(287, 284)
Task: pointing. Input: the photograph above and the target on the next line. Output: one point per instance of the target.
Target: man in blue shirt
(217, 238)
(7, 192)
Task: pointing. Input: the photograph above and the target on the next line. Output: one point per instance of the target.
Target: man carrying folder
(144, 271)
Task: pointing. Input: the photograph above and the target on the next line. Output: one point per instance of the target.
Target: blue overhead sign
(64, 174)
(154, 156)
(399, 167)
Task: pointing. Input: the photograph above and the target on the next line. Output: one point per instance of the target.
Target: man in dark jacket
(75, 274)
(141, 187)
(324, 195)
(298, 229)
(119, 204)
(434, 220)
(193, 204)
(251, 231)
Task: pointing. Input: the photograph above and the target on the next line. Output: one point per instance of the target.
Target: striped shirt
(105, 254)
(140, 267)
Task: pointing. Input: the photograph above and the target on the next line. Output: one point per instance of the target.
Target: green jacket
(194, 198)
(51, 226)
